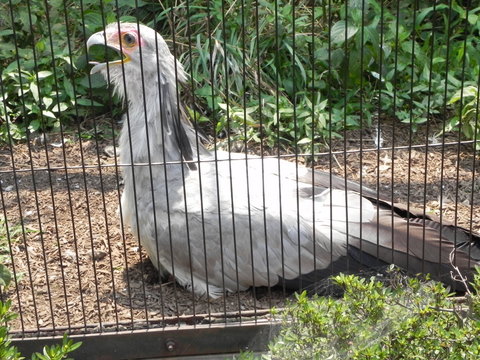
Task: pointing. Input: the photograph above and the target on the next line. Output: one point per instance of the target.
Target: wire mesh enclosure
(170, 171)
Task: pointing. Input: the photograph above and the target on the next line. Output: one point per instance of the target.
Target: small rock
(99, 255)
(70, 254)
(111, 151)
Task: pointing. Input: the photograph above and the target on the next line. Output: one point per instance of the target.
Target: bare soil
(75, 266)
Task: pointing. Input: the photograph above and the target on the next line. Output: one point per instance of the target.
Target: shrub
(411, 319)
(283, 84)
(467, 116)
(44, 74)
(10, 352)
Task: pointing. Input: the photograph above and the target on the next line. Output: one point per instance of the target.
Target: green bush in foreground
(411, 319)
(10, 352)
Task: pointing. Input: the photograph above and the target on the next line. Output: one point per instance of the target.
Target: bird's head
(140, 48)
(147, 71)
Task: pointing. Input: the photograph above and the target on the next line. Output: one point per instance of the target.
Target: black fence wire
(190, 164)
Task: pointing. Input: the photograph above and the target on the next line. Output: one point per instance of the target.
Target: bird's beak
(99, 38)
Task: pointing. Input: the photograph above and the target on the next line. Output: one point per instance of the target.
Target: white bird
(205, 218)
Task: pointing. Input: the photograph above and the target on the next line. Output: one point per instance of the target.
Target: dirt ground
(76, 267)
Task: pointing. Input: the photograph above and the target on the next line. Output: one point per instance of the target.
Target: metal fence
(215, 163)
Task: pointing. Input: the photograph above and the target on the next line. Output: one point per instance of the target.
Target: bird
(222, 222)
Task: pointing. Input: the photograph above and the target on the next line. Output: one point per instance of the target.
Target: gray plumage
(201, 222)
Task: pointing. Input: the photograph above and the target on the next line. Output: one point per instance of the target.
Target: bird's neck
(151, 124)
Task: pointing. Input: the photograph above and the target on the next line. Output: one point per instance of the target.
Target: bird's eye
(129, 40)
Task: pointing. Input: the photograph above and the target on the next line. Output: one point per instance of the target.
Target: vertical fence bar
(361, 121)
(5, 221)
(427, 131)
(345, 126)
(444, 121)
(262, 151)
(410, 131)
(211, 45)
(378, 140)
(199, 163)
(460, 122)
(313, 96)
(329, 16)
(277, 114)
(229, 149)
(245, 144)
(59, 247)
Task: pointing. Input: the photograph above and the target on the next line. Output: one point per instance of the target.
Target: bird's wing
(319, 180)
(270, 228)
(175, 127)
(369, 231)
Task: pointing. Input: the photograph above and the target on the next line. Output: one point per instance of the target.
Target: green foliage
(298, 88)
(43, 67)
(57, 352)
(467, 115)
(275, 72)
(10, 352)
(7, 351)
(411, 319)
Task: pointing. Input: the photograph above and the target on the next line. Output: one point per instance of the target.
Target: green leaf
(470, 91)
(340, 30)
(68, 87)
(467, 91)
(34, 125)
(88, 102)
(304, 141)
(49, 114)
(93, 20)
(6, 32)
(473, 19)
(43, 356)
(47, 102)
(60, 107)
(43, 74)
(372, 35)
(75, 346)
(40, 46)
(34, 91)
